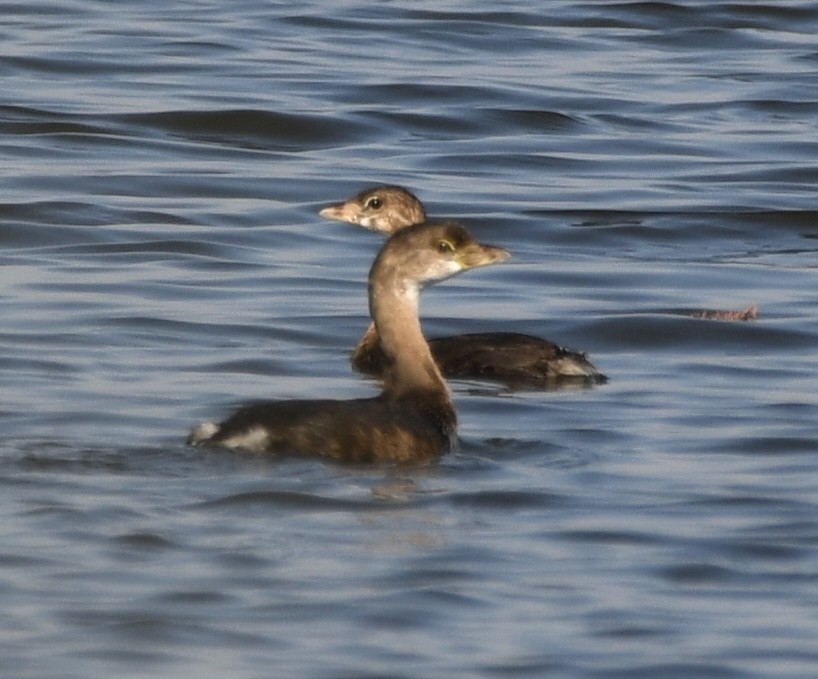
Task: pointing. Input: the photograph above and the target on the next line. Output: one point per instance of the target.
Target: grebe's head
(385, 209)
(426, 253)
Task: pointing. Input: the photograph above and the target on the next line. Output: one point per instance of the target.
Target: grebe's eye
(445, 247)
(374, 203)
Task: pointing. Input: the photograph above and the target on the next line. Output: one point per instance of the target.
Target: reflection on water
(163, 259)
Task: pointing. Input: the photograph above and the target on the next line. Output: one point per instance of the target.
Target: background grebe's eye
(374, 203)
(444, 247)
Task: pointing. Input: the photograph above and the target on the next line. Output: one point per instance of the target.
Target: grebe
(413, 419)
(514, 359)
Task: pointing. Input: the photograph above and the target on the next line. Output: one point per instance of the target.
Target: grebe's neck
(394, 305)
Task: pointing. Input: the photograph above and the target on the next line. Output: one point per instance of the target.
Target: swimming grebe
(512, 358)
(413, 419)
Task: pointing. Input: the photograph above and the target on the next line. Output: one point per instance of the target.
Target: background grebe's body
(515, 359)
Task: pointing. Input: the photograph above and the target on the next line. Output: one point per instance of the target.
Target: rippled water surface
(162, 259)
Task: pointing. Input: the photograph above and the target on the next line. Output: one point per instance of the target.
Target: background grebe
(413, 419)
(515, 359)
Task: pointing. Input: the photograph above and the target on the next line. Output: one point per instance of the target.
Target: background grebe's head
(385, 209)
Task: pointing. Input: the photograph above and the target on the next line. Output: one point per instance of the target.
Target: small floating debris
(748, 314)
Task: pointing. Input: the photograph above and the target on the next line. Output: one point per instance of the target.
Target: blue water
(162, 259)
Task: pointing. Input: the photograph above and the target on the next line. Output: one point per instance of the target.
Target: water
(162, 260)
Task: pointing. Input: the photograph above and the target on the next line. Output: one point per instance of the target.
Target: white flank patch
(255, 440)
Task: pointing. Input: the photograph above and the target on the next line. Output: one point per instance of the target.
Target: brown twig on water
(748, 314)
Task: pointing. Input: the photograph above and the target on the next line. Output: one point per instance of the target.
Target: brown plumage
(413, 419)
(515, 359)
